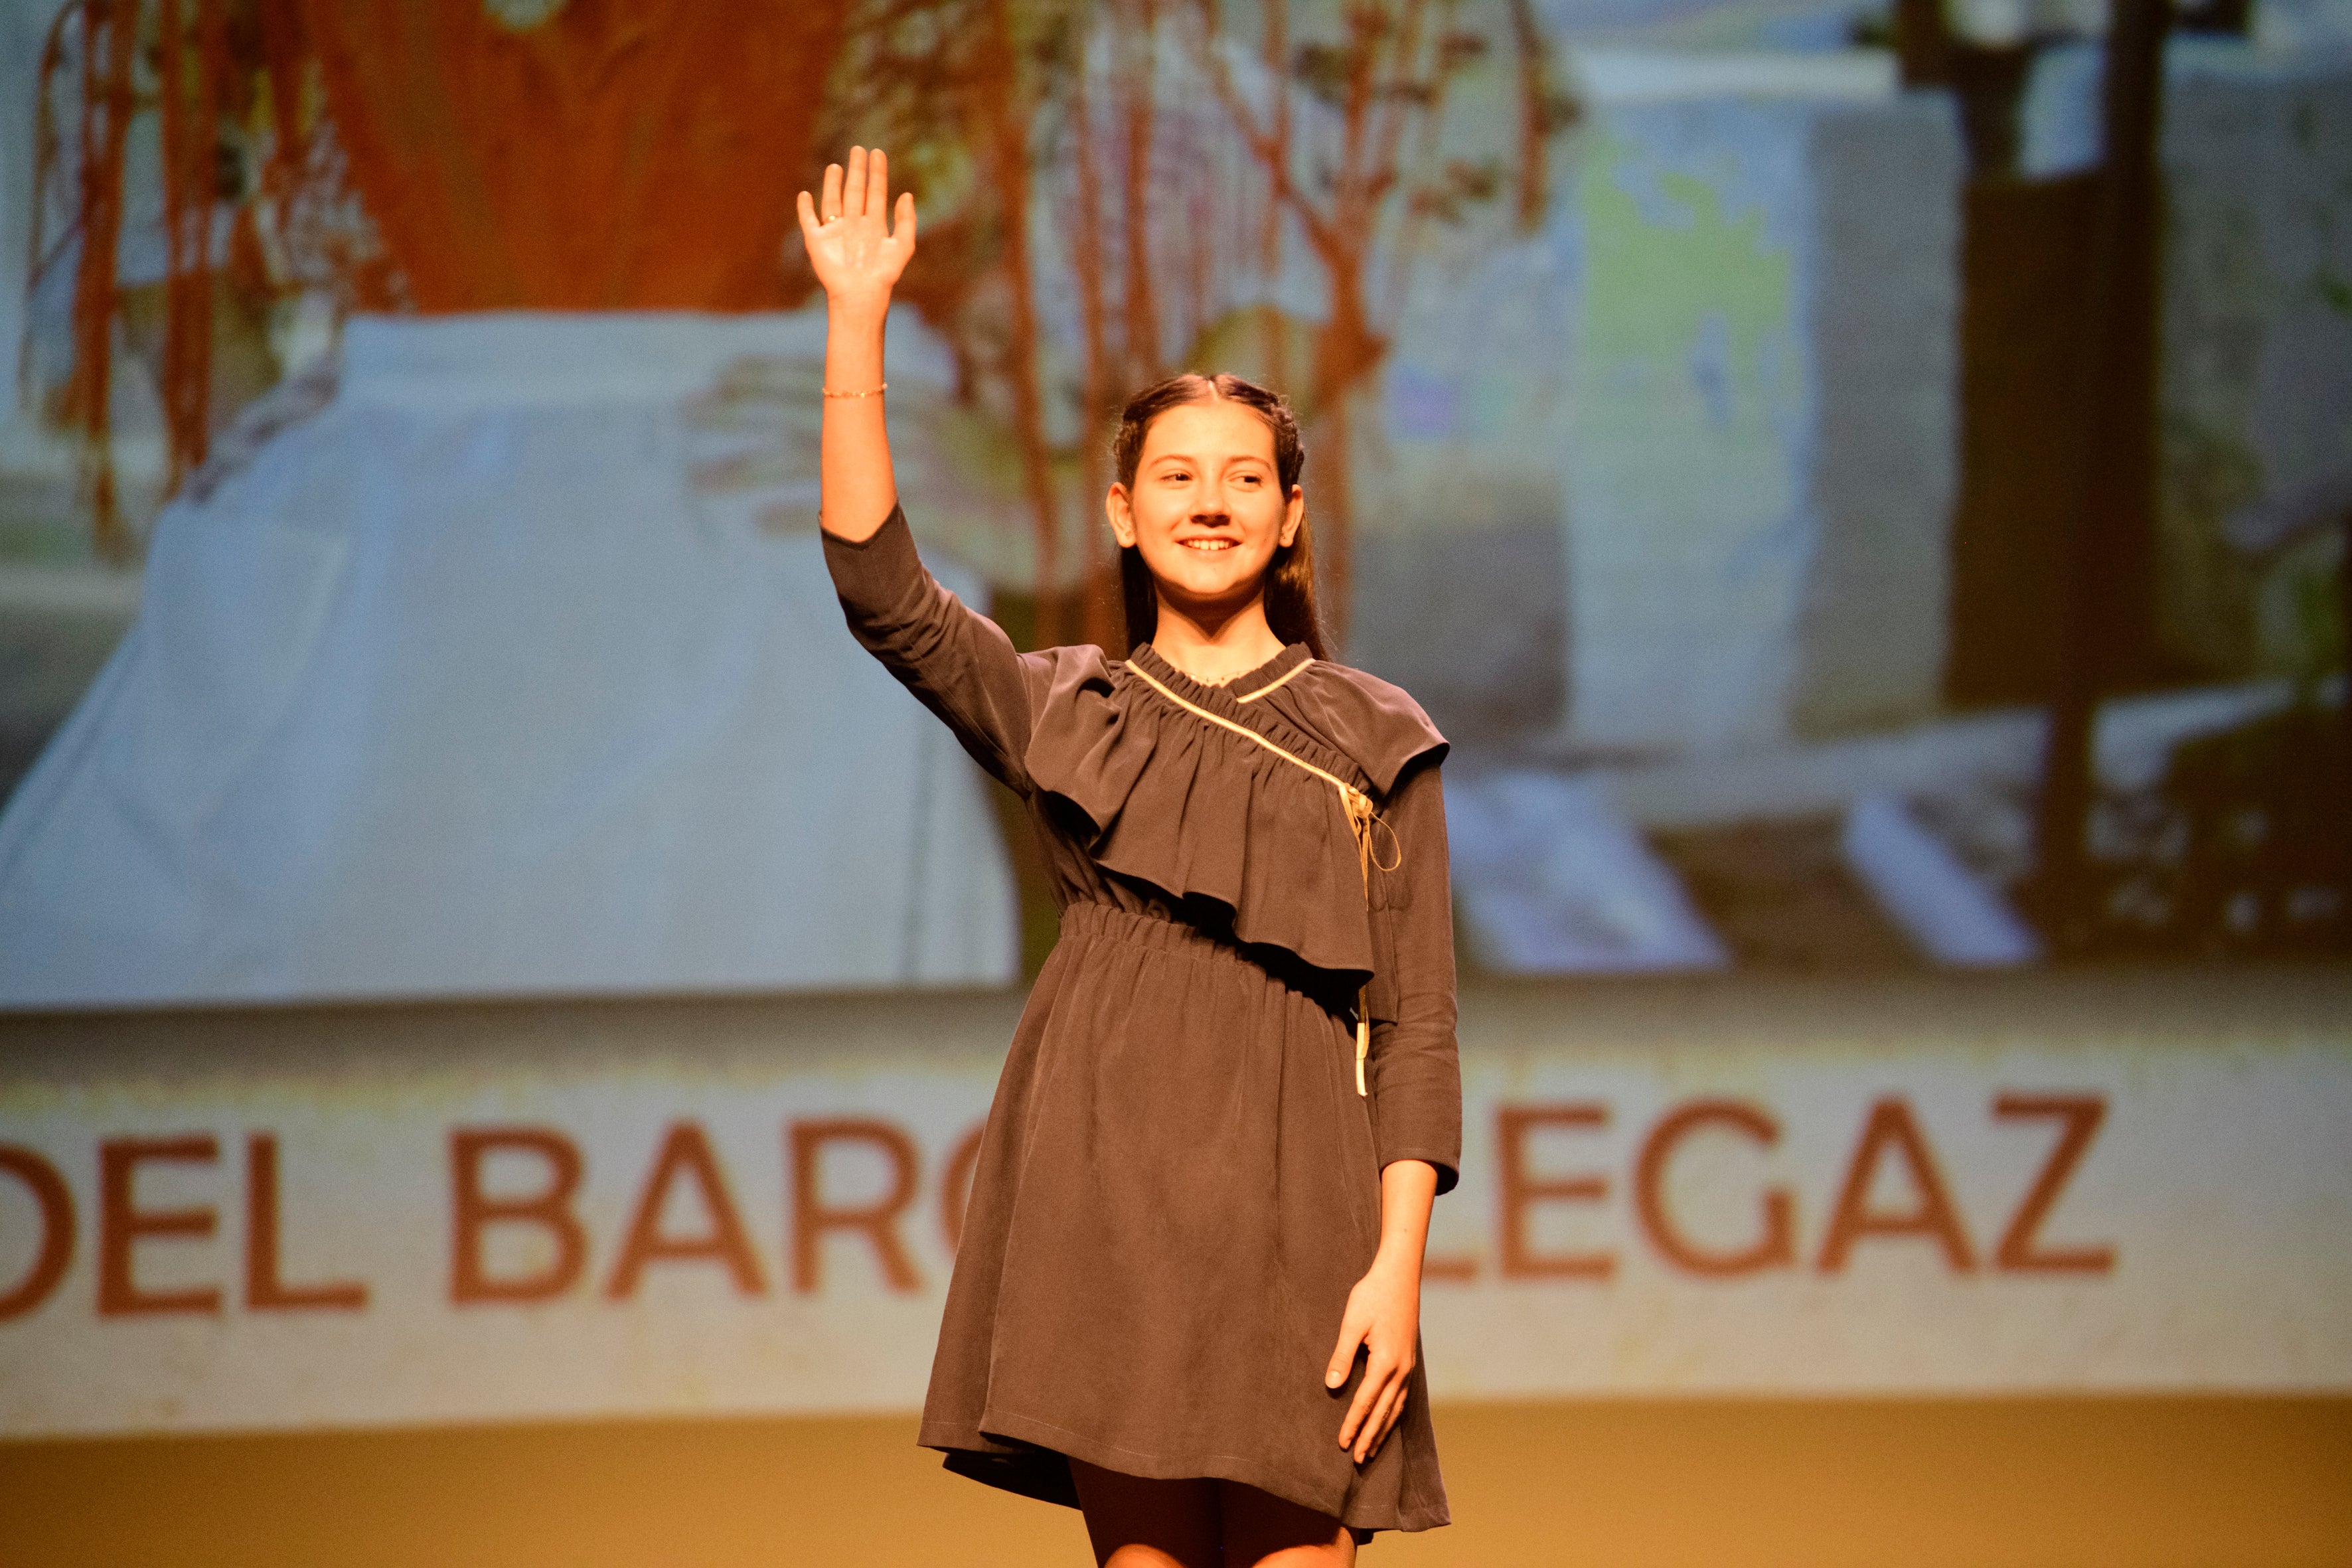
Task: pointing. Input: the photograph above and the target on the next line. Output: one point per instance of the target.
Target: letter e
(1519, 1192)
(122, 1222)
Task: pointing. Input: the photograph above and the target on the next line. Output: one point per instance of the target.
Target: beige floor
(2147, 1483)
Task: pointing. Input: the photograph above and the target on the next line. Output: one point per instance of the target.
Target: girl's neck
(1214, 653)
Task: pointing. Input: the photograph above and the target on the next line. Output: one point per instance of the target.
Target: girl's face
(1207, 508)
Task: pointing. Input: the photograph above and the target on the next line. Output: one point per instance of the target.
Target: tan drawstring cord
(1361, 820)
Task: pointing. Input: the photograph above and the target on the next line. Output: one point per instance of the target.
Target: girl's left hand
(1383, 1316)
(857, 255)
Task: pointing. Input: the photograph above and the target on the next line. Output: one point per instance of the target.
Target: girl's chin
(1212, 581)
(1198, 590)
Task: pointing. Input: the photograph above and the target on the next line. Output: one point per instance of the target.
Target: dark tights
(1201, 1524)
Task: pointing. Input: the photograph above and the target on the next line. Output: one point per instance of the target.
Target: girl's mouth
(1207, 544)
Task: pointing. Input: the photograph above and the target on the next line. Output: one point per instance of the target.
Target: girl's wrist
(857, 311)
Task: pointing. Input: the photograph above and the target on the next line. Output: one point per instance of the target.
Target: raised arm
(958, 662)
(859, 256)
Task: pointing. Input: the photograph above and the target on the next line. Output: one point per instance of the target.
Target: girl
(1189, 1291)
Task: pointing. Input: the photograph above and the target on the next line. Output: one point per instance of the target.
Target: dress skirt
(1176, 1191)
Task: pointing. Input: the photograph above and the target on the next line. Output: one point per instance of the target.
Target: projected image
(1861, 489)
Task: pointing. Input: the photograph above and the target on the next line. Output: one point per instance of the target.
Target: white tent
(1552, 878)
(514, 668)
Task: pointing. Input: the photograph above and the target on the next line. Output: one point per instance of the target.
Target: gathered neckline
(1278, 667)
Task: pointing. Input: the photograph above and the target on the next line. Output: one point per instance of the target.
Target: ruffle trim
(1201, 813)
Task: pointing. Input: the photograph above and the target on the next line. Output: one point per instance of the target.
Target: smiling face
(1206, 509)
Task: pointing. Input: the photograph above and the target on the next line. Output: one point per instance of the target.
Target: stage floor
(1718, 1483)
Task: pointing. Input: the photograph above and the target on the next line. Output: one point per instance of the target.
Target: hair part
(1290, 609)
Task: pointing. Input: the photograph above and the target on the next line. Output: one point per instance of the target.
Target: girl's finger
(1396, 1411)
(1365, 1418)
(829, 206)
(1381, 1435)
(1366, 1392)
(905, 234)
(878, 185)
(808, 216)
(1388, 1422)
(853, 189)
(1343, 1356)
(1375, 1427)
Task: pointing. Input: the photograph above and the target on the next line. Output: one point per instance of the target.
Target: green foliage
(1331, 72)
(2243, 848)
(1458, 48)
(1872, 29)
(2264, 862)
(1324, 70)
(1459, 185)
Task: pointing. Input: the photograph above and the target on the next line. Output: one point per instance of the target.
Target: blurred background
(1864, 487)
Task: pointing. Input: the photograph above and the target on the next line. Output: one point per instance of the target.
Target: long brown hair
(1290, 609)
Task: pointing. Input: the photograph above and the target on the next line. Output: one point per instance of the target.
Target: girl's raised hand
(852, 243)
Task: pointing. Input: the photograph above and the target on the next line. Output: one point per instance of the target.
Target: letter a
(685, 1152)
(1891, 1127)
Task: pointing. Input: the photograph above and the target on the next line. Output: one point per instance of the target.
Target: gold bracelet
(876, 393)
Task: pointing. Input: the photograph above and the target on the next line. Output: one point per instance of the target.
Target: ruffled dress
(1179, 1183)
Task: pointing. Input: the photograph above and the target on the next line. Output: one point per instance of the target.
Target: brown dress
(1179, 1183)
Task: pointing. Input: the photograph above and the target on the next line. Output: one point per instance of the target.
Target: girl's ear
(1294, 515)
(1122, 517)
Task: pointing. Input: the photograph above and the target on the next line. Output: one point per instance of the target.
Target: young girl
(1189, 1291)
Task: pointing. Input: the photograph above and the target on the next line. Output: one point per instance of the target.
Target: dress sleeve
(1415, 1074)
(957, 661)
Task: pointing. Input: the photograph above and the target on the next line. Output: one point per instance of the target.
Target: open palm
(858, 252)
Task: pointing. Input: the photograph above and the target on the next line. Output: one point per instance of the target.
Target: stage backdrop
(447, 1213)
(1696, 397)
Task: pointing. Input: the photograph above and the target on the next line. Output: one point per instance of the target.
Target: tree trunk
(2114, 475)
(1137, 103)
(109, 38)
(1005, 131)
(1275, 57)
(1099, 617)
(1347, 354)
(190, 114)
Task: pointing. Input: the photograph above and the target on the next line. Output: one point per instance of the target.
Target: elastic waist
(1116, 924)
(1334, 993)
